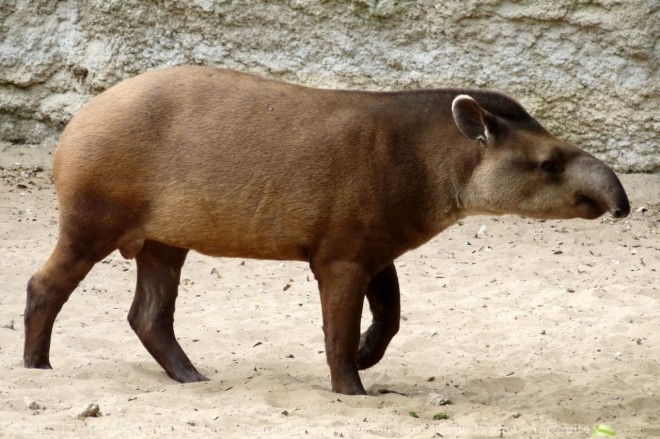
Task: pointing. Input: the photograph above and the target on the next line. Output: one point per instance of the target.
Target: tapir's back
(184, 118)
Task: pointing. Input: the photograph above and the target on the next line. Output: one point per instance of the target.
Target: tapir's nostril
(620, 212)
(622, 208)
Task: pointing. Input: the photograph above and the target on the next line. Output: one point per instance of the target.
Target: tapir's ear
(470, 118)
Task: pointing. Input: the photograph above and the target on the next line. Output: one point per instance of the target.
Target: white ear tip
(460, 98)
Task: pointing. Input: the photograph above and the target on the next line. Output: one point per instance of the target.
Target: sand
(530, 330)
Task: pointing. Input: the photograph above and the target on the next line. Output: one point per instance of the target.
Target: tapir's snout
(599, 190)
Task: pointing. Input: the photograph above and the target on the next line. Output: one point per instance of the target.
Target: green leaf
(440, 416)
(414, 414)
(602, 430)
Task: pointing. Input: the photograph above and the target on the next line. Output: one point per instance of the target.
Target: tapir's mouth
(590, 208)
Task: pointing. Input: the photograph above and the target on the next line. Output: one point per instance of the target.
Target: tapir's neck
(434, 160)
(450, 159)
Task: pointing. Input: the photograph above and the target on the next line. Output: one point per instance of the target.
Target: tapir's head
(525, 170)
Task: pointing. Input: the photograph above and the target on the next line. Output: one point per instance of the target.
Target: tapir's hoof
(367, 355)
(36, 364)
(189, 376)
(348, 384)
(355, 390)
(366, 360)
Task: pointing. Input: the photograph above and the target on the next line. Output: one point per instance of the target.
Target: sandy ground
(532, 330)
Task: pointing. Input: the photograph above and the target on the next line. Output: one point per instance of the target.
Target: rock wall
(587, 69)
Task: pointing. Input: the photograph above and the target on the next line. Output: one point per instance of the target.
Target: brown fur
(230, 164)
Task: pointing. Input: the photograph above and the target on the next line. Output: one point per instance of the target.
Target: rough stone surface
(587, 69)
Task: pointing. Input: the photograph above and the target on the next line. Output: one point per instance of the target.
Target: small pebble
(480, 232)
(91, 410)
(438, 399)
(31, 403)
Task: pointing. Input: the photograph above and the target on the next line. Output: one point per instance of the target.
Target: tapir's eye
(551, 167)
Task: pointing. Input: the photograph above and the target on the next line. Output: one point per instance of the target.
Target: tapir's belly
(223, 241)
(247, 222)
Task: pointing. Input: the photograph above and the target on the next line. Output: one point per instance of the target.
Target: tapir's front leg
(342, 287)
(385, 303)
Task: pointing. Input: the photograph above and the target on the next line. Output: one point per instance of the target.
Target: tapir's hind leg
(50, 288)
(385, 303)
(152, 313)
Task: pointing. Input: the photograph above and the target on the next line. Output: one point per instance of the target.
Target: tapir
(234, 165)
